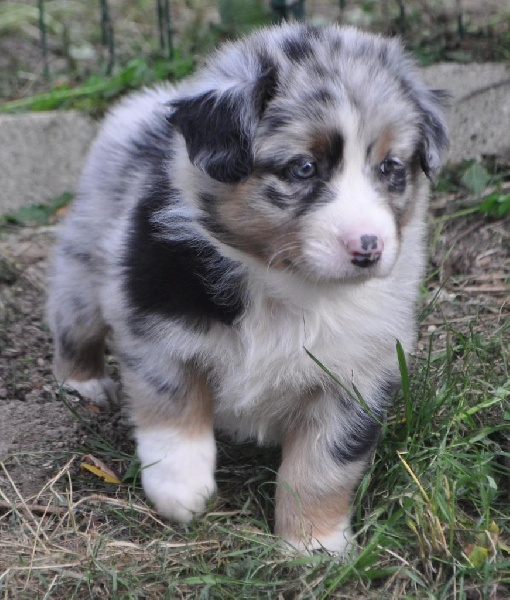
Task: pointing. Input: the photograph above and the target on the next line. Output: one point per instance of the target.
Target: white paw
(98, 391)
(177, 470)
(339, 541)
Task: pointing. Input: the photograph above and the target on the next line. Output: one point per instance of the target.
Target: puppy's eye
(303, 169)
(393, 172)
(392, 165)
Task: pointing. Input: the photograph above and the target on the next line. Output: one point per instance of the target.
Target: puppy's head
(311, 148)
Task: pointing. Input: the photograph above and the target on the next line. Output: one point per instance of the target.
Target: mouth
(364, 260)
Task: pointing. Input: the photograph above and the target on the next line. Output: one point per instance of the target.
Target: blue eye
(303, 169)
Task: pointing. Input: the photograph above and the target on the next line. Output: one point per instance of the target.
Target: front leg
(323, 462)
(175, 439)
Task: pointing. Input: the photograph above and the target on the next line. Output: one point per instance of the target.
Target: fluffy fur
(266, 211)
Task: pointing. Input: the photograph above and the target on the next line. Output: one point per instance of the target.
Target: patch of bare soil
(469, 291)
(38, 432)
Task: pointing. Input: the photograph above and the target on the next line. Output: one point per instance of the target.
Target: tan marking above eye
(381, 148)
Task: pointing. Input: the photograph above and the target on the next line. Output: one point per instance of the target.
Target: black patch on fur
(361, 440)
(161, 385)
(66, 344)
(322, 96)
(397, 181)
(363, 430)
(311, 195)
(175, 279)
(319, 69)
(336, 45)
(434, 135)
(214, 135)
(276, 197)
(297, 49)
(218, 128)
(328, 148)
(383, 55)
(278, 120)
(267, 83)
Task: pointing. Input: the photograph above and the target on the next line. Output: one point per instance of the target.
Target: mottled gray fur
(269, 208)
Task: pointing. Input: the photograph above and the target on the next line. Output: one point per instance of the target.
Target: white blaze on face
(354, 235)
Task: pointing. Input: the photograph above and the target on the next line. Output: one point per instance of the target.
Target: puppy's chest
(265, 361)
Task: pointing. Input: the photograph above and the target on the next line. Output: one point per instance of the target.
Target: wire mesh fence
(234, 12)
(52, 43)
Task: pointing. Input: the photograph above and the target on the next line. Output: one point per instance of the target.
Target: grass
(431, 516)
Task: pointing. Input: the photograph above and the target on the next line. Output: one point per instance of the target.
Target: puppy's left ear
(434, 139)
(219, 126)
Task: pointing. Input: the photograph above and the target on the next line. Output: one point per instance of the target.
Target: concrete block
(41, 155)
(479, 117)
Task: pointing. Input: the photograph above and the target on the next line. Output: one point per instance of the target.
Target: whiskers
(289, 258)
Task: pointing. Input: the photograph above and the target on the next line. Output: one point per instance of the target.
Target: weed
(98, 91)
(36, 214)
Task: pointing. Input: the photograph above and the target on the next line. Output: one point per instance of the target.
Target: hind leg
(79, 329)
(79, 363)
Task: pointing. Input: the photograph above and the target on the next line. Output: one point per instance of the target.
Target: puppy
(267, 212)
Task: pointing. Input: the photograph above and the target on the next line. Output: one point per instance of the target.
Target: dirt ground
(38, 432)
(470, 267)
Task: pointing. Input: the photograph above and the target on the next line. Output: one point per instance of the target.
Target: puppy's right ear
(434, 143)
(219, 127)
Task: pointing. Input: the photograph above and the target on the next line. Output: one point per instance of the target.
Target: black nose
(369, 242)
(365, 251)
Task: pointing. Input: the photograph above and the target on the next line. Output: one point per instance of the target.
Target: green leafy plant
(475, 178)
(36, 214)
(98, 90)
(496, 205)
(484, 184)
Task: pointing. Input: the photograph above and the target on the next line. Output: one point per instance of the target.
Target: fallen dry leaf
(96, 466)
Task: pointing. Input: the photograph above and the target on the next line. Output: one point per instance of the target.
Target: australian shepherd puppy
(234, 233)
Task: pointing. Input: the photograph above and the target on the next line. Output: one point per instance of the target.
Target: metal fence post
(44, 46)
(107, 37)
(165, 27)
(285, 9)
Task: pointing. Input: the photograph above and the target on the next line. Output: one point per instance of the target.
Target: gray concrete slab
(42, 154)
(479, 116)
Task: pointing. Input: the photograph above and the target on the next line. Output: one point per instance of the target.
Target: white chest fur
(262, 368)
